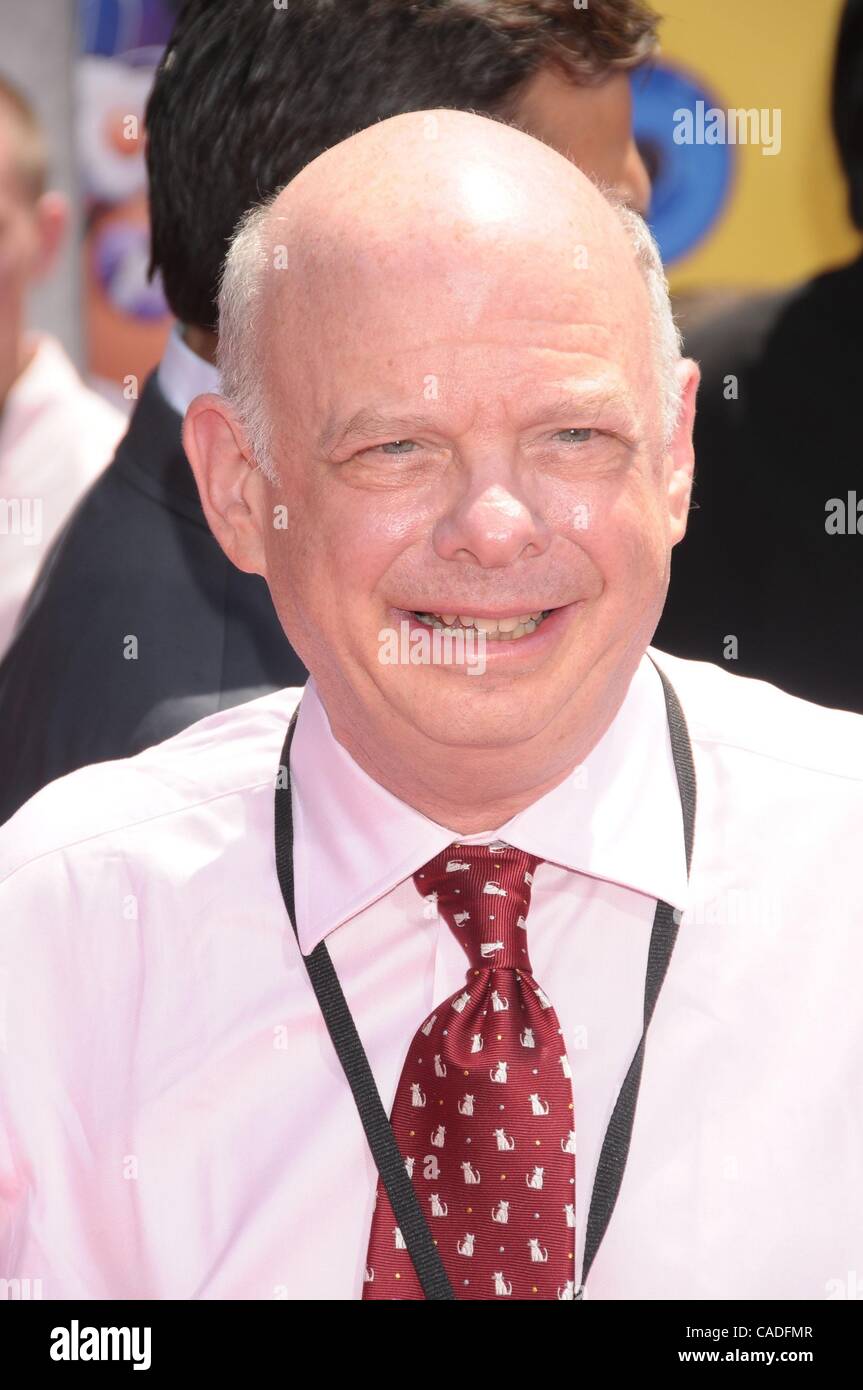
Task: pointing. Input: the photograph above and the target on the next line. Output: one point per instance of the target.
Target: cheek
(618, 524)
(336, 550)
(18, 253)
(11, 267)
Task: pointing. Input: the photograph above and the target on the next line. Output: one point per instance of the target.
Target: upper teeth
(492, 627)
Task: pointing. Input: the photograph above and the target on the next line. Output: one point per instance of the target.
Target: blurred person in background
(56, 435)
(141, 626)
(770, 575)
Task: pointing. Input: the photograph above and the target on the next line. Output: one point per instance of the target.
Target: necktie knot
(483, 893)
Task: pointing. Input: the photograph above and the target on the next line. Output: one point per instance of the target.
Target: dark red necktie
(483, 1112)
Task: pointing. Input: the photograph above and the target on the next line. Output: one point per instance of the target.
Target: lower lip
(500, 649)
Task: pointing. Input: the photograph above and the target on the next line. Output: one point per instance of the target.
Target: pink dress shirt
(56, 437)
(175, 1122)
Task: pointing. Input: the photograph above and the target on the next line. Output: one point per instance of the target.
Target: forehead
(497, 321)
(582, 120)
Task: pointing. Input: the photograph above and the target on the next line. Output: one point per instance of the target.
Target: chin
(477, 712)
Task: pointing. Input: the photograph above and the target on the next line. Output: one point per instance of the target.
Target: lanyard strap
(349, 1049)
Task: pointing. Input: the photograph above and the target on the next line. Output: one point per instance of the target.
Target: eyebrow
(590, 400)
(369, 422)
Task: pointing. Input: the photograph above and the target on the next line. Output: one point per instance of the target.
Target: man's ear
(680, 455)
(52, 217)
(231, 487)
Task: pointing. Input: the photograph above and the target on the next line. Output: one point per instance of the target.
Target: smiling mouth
(495, 629)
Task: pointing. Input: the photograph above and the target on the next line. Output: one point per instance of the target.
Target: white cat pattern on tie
(483, 1113)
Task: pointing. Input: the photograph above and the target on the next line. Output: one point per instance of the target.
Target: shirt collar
(616, 817)
(183, 375)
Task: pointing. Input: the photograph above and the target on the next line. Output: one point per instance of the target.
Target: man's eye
(397, 446)
(574, 436)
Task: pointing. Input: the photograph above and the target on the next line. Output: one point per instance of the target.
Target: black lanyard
(382, 1142)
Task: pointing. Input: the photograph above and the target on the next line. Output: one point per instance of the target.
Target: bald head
(465, 205)
(437, 174)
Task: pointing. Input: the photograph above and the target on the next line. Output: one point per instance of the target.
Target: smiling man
(405, 1053)
(509, 460)
(296, 79)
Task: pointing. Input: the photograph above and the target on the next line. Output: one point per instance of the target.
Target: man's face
(592, 126)
(21, 242)
(475, 435)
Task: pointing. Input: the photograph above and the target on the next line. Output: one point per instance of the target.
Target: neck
(15, 354)
(471, 790)
(201, 341)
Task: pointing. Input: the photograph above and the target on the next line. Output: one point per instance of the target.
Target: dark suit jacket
(758, 562)
(136, 561)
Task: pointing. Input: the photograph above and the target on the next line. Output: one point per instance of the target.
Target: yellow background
(786, 215)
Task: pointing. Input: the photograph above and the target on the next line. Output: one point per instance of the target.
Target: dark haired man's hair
(247, 94)
(848, 104)
(28, 145)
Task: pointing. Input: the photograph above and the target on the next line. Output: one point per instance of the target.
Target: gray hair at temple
(241, 294)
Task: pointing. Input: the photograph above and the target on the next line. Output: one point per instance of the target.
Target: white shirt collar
(617, 817)
(183, 375)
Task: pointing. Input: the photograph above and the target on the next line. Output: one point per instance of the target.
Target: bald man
(148, 634)
(427, 981)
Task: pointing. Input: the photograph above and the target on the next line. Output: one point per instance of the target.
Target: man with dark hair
(770, 576)
(248, 94)
(139, 625)
(56, 435)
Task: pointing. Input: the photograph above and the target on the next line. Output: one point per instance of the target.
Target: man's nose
(491, 526)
